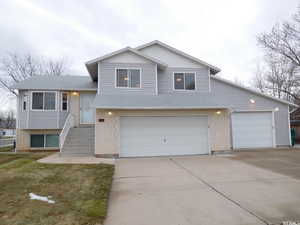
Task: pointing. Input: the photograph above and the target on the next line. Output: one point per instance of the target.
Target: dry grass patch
(6, 149)
(80, 192)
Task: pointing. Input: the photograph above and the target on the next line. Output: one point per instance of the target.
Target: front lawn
(6, 149)
(80, 192)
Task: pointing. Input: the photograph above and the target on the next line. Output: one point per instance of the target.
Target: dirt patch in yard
(80, 192)
(283, 161)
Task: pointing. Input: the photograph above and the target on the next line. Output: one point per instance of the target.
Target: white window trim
(31, 102)
(61, 102)
(22, 102)
(44, 142)
(184, 81)
(128, 68)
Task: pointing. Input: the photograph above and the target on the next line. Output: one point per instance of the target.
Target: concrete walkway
(57, 159)
(200, 190)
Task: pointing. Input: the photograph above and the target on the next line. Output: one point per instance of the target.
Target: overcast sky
(222, 33)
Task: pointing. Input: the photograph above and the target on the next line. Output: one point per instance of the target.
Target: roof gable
(127, 57)
(127, 49)
(172, 56)
(92, 65)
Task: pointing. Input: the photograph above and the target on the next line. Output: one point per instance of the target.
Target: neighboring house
(152, 100)
(7, 128)
(7, 132)
(295, 123)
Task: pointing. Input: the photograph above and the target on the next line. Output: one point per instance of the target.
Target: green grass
(80, 192)
(6, 149)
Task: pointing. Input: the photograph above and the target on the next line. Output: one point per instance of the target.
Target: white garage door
(163, 135)
(252, 129)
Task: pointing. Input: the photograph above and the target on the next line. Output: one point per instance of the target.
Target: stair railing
(69, 123)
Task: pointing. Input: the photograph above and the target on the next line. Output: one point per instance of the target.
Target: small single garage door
(163, 135)
(252, 129)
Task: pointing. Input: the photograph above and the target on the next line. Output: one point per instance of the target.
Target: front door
(87, 111)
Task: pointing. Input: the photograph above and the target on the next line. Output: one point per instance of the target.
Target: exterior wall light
(218, 112)
(252, 101)
(109, 113)
(74, 93)
(276, 109)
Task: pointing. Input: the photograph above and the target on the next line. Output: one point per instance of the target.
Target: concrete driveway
(209, 190)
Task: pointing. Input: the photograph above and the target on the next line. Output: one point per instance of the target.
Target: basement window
(44, 140)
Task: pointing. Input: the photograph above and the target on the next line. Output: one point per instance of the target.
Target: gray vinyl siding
(107, 78)
(62, 118)
(40, 119)
(222, 95)
(166, 82)
(238, 99)
(43, 120)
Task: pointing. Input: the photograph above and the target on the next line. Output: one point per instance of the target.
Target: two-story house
(151, 100)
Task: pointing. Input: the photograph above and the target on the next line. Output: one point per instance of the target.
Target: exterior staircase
(80, 141)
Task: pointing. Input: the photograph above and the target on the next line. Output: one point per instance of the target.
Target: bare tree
(282, 59)
(8, 119)
(16, 67)
(276, 76)
(259, 79)
(284, 39)
(238, 81)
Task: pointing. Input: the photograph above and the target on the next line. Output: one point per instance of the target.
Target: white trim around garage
(254, 111)
(206, 116)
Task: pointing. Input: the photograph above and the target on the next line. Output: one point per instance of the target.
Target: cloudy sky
(222, 33)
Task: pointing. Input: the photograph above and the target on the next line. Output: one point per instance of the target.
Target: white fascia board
(124, 50)
(179, 53)
(162, 107)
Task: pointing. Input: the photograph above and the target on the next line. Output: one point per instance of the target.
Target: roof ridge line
(179, 52)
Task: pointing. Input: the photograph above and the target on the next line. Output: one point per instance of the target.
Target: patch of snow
(41, 198)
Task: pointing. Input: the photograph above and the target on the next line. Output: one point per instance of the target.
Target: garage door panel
(154, 136)
(252, 129)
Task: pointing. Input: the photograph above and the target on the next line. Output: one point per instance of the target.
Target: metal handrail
(69, 123)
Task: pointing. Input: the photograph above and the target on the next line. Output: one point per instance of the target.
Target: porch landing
(57, 159)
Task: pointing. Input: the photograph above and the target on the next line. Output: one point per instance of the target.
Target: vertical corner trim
(156, 78)
(98, 80)
(209, 87)
(289, 127)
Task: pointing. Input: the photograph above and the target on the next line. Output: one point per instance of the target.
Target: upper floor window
(184, 81)
(64, 101)
(43, 101)
(129, 78)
